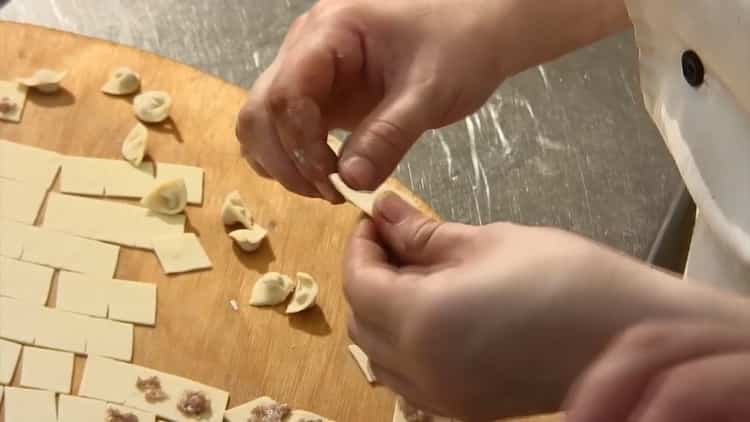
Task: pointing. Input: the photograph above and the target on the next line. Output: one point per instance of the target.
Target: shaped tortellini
(152, 106)
(168, 197)
(304, 294)
(122, 81)
(234, 211)
(271, 289)
(46, 81)
(249, 240)
(135, 144)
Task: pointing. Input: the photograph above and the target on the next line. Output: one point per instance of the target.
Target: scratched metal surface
(565, 144)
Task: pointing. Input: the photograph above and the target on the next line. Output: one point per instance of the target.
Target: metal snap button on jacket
(692, 68)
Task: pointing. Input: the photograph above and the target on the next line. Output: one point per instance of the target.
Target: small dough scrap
(271, 289)
(234, 211)
(169, 197)
(304, 294)
(249, 240)
(364, 200)
(135, 144)
(181, 253)
(46, 81)
(363, 361)
(152, 106)
(122, 81)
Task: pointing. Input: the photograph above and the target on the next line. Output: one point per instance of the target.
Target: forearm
(537, 31)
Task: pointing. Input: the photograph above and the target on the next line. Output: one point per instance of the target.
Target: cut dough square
(125, 181)
(181, 253)
(61, 330)
(363, 200)
(82, 294)
(131, 301)
(363, 362)
(24, 405)
(80, 409)
(109, 339)
(140, 414)
(67, 252)
(9, 353)
(12, 238)
(109, 221)
(16, 93)
(97, 380)
(20, 201)
(47, 369)
(19, 321)
(193, 177)
(82, 175)
(24, 281)
(28, 164)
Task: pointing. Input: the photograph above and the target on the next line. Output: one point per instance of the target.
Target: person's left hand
(668, 372)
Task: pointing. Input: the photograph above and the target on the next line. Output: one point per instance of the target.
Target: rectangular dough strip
(25, 281)
(28, 164)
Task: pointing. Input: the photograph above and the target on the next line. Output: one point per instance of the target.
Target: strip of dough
(25, 281)
(193, 177)
(20, 201)
(9, 354)
(25, 405)
(181, 253)
(115, 222)
(363, 362)
(47, 369)
(28, 164)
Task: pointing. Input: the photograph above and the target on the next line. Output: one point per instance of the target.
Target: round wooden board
(302, 359)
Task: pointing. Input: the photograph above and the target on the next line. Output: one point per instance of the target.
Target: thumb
(411, 237)
(376, 146)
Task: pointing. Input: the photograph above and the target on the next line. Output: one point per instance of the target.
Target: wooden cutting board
(302, 359)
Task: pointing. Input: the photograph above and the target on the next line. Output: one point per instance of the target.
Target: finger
(378, 144)
(711, 389)
(611, 389)
(261, 142)
(301, 89)
(378, 345)
(412, 237)
(374, 290)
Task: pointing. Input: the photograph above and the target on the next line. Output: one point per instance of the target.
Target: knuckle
(424, 232)
(646, 337)
(383, 133)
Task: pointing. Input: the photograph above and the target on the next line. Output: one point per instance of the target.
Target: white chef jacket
(695, 75)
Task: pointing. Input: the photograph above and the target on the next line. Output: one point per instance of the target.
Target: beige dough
(109, 339)
(249, 240)
(168, 197)
(13, 95)
(47, 369)
(271, 289)
(234, 211)
(46, 81)
(134, 145)
(26, 405)
(9, 354)
(304, 294)
(152, 106)
(59, 330)
(79, 409)
(20, 201)
(364, 200)
(242, 412)
(81, 294)
(181, 253)
(298, 415)
(363, 362)
(24, 281)
(28, 164)
(193, 179)
(122, 81)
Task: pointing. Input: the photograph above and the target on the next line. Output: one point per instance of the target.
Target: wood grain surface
(302, 359)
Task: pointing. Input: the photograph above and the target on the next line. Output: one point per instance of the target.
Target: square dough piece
(20, 201)
(82, 175)
(61, 330)
(193, 177)
(80, 409)
(81, 294)
(17, 94)
(9, 354)
(19, 321)
(68, 252)
(114, 222)
(131, 301)
(181, 253)
(101, 176)
(364, 200)
(28, 164)
(109, 339)
(98, 376)
(47, 369)
(24, 281)
(140, 414)
(24, 405)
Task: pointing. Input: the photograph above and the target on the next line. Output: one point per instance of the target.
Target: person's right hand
(386, 70)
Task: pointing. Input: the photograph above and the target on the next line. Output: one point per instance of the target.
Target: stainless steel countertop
(566, 144)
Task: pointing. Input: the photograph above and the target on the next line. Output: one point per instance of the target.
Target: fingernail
(358, 172)
(391, 207)
(328, 192)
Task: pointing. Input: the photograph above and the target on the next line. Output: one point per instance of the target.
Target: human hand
(385, 70)
(682, 371)
(481, 323)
